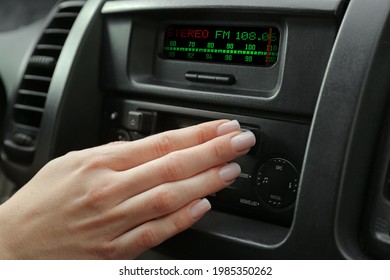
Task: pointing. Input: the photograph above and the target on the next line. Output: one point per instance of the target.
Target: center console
(169, 67)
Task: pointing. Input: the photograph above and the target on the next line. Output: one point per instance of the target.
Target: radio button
(226, 80)
(205, 78)
(191, 76)
(134, 120)
(139, 121)
(257, 132)
(210, 78)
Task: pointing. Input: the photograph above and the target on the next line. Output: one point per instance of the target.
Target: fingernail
(230, 171)
(227, 127)
(243, 141)
(200, 208)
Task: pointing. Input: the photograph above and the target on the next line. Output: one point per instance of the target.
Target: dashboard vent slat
(28, 108)
(30, 92)
(48, 50)
(42, 65)
(42, 61)
(38, 78)
(48, 47)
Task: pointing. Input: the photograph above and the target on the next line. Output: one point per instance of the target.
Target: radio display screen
(257, 46)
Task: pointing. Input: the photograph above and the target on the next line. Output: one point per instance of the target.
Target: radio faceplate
(222, 44)
(268, 184)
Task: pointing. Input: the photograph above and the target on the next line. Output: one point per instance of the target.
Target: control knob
(277, 183)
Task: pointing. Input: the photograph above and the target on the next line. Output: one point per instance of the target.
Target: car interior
(311, 80)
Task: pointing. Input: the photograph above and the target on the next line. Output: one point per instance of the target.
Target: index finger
(125, 155)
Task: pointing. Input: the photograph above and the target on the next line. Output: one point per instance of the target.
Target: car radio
(173, 70)
(267, 186)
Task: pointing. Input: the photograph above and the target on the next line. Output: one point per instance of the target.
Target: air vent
(32, 94)
(34, 87)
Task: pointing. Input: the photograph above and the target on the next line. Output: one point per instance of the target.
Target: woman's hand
(118, 200)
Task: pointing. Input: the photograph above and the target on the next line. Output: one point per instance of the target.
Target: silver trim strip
(290, 6)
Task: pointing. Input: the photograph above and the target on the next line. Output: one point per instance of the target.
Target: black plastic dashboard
(309, 78)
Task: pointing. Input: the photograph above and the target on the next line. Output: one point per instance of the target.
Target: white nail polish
(228, 127)
(230, 171)
(243, 141)
(200, 208)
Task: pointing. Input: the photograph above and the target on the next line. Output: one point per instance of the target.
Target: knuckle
(147, 239)
(72, 154)
(74, 157)
(174, 168)
(107, 251)
(93, 162)
(218, 152)
(95, 198)
(118, 215)
(179, 223)
(163, 145)
(202, 135)
(163, 200)
(94, 159)
(79, 155)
